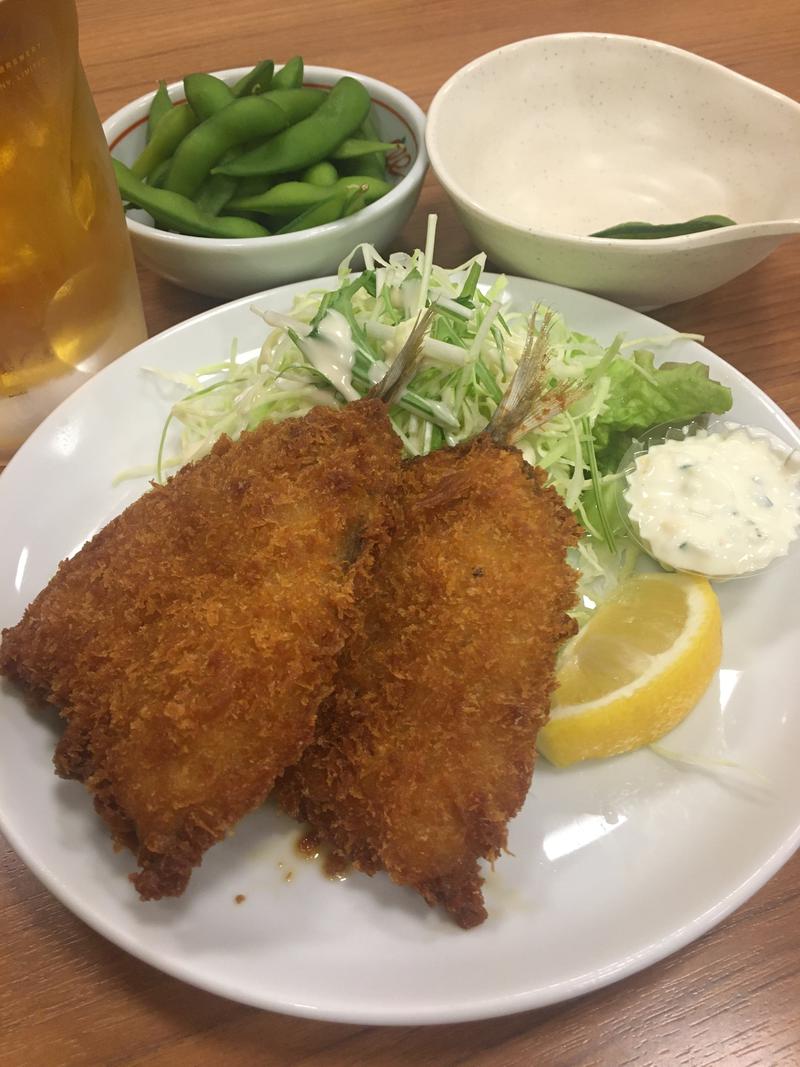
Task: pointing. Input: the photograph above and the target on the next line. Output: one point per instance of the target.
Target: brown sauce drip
(310, 847)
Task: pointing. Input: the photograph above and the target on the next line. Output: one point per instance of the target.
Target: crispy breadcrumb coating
(189, 644)
(426, 747)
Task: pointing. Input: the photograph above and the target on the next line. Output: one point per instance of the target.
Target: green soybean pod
(297, 103)
(352, 147)
(373, 164)
(176, 212)
(286, 198)
(648, 231)
(371, 188)
(159, 106)
(356, 202)
(159, 173)
(217, 189)
(258, 80)
(244, 120)
(215, 193)
(290, 76)
(252, 186)
(206, 94)
(324, 174)
(328, 210)
(365, 190)
(310, 140)
(171, 130)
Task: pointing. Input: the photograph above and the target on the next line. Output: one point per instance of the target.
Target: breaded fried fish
(189, 644)
(426, 747)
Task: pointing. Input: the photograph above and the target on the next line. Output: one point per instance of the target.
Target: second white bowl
(545, 141)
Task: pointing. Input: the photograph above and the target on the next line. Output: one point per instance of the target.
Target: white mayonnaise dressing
(377, 371)
(719, 504)
(332, 353)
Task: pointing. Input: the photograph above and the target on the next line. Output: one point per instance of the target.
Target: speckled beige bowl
(543, 142)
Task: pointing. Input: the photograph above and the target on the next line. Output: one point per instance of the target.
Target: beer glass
(69, 299)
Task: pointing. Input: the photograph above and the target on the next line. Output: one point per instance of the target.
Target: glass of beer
(69, 298)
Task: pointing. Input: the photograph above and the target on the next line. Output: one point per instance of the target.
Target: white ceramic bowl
(228, 268)
(547, 140)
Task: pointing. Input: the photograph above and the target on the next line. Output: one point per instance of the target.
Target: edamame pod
(290, 76)
(216, 190)
(354, 146)
(159, 106)
(310, 140)
(243, 120)
(215, 193)
(647, 231)
(356, 202)
(257, 81)
(288, 198)
(374, 164)
(252, 186)
(206, 94)
(297, 103)
(176, 212)
(168, 134)
(159, 174)
(323, 174)
(328, 210)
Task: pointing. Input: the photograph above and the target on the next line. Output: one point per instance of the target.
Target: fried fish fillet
(189, 644)
(426, 747)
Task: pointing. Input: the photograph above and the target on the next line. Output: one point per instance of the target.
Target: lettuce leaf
(643, 395)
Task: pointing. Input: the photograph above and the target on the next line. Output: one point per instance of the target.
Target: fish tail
(405, 363)
(528, 403)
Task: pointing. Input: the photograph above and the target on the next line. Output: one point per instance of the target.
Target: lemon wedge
(636, 669)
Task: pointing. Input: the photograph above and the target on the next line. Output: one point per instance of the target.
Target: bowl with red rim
(234, 267)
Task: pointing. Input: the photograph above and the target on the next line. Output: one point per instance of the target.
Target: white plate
(614, 865)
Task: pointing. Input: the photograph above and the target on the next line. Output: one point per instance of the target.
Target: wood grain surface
(68, 998)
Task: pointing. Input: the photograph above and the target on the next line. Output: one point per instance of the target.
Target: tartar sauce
(719, 504)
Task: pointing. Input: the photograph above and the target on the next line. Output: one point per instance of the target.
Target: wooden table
(70, 998)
